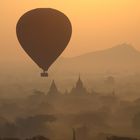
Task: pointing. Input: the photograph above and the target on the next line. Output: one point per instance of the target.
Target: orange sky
(97, 24)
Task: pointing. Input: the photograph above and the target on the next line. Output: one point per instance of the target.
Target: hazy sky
(97, 24)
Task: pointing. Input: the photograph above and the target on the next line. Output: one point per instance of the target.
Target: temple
(79, 89)
(53, 91)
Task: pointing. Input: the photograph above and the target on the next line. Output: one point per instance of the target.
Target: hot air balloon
(44, 33)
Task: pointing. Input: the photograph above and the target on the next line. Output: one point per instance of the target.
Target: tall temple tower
(53, 91)
(79, 84)
(79, 89)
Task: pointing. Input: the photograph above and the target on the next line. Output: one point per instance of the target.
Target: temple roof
(53, 89)
(79, 82)
(53, 86)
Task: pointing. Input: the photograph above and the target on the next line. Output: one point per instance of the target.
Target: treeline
(32, 138)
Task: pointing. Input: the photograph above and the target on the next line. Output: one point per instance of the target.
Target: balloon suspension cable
(44, 73)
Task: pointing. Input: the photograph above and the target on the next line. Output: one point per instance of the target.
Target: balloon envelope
(44, 33)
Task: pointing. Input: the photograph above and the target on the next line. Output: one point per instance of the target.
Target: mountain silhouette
(120, 58)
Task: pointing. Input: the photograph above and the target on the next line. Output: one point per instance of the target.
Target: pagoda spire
(79, 77)
(79, 89)
(53, 86)
(79, 83)
(53, 89)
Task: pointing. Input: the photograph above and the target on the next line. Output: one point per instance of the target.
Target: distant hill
(122, 58)
(119, 59)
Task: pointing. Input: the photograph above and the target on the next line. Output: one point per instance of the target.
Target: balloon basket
(44, 74)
